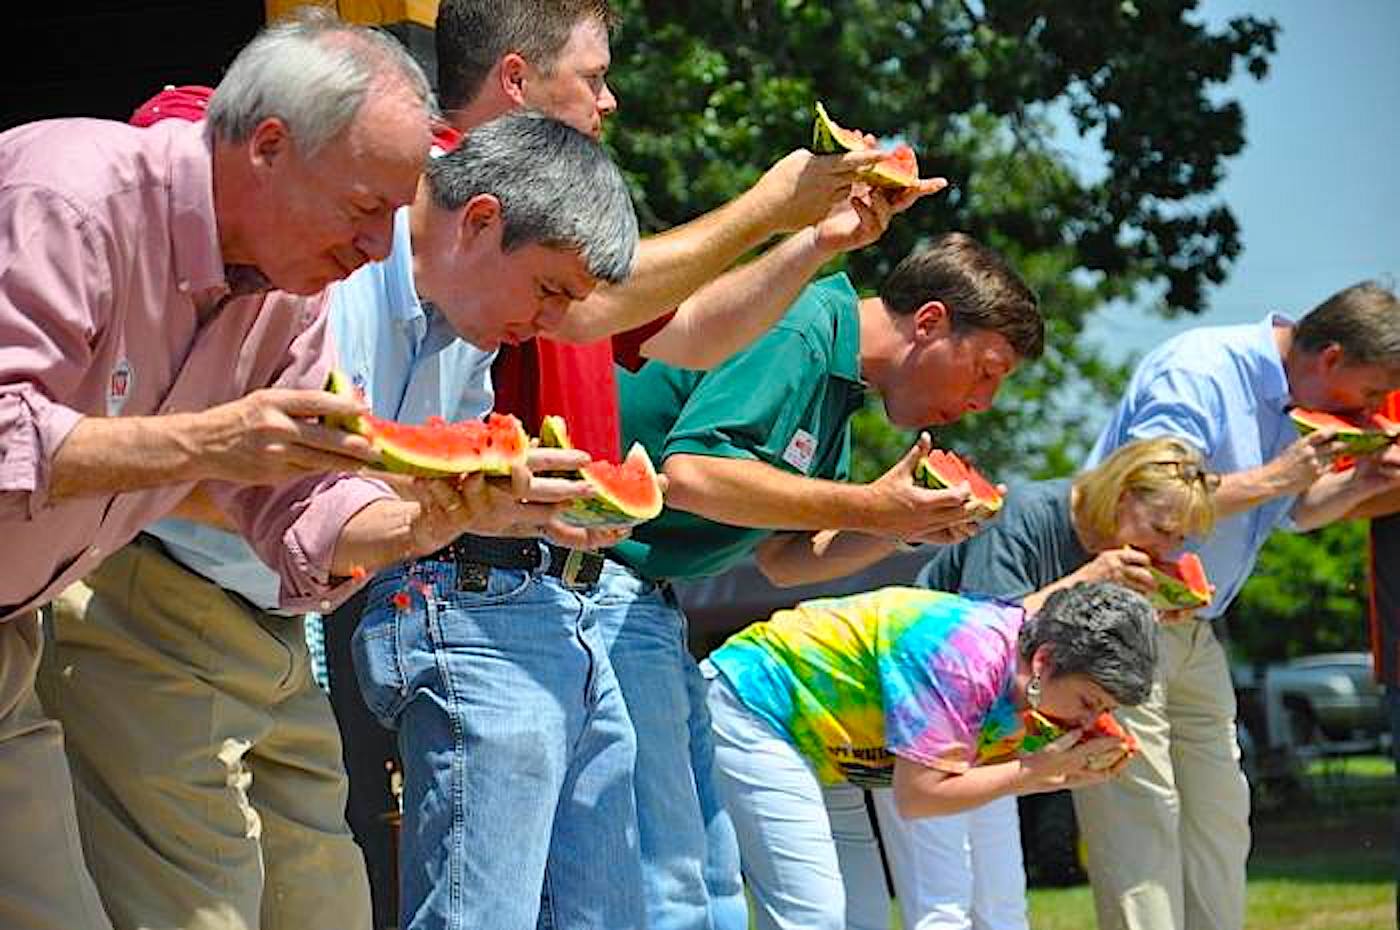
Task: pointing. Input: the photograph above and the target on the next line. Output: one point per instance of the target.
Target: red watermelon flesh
(624, 494)
(1106, 725)
(940, 469)
(899, 170)
(1360, 435)
(1181, 584)
(437, 449)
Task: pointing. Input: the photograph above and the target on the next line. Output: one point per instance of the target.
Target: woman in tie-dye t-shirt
(926, 691)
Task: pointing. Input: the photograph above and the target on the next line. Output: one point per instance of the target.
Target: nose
(607, 103)
(376, 236)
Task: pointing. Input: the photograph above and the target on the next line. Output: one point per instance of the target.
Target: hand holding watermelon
(903, 509)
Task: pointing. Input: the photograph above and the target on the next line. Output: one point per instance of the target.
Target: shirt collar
(845, 357)
(194, 229)
(1273, 383)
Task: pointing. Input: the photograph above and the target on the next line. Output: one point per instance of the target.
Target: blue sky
(1317, 188)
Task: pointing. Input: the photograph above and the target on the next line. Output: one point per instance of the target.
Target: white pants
(790, 830)
(960, 872)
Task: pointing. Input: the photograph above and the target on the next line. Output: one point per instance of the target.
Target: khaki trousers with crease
(206, 762)
(1169, 838)
(43, 882)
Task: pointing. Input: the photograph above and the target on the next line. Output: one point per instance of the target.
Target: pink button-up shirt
(110, 274)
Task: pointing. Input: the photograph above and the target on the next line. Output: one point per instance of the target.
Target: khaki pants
(206, 762)
(1168, 839)
(43, 882)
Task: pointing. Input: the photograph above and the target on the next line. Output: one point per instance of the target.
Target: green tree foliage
(713, 91)
(1307, 594)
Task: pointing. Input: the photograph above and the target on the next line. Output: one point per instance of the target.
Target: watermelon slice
(1360, 435)
(624, 494)
(1107, 725)
(899, 170)
(436, 449)
(1181, 584)
(941, 469)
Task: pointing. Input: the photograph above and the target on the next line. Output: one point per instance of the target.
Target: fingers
(349, 445)
(851, 162)
(555, 490)
(911, 195)
(545, 459)
(306, 403)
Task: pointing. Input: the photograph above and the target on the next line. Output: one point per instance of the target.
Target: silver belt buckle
(573, 564)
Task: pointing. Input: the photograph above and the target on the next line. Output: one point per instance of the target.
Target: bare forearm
(1378, 505)
(728, 313)
(746, 493)
(1245, 490)
(1333, 497)
(377, 536)
(114, 455)
(671, 266)
(933, 794)
(794, 559)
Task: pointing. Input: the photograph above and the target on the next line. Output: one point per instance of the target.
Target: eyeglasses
(1190, 473)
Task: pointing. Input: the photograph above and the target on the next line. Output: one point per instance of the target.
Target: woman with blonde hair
(1108, 524)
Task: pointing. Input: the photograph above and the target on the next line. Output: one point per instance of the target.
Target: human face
(945, 373)
(1152, 523)
(575, 90)
(1073, 700)
(320, 218)
(491, 296)
(1331, 383)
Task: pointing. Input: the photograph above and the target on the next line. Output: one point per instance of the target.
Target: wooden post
(367, 12)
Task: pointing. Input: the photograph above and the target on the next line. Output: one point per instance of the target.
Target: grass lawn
(1323, 863)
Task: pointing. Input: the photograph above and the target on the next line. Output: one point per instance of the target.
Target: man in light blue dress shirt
(1169, 839)
(175, 650)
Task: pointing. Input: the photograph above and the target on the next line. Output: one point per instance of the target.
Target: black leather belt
(475, 555)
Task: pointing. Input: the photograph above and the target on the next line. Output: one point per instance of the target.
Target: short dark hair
(975, 283)
(1101, 630)
(472, 35)
(1363, 319)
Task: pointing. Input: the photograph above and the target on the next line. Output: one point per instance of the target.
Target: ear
(932, 321)
(512, 72)
(270, 144)
(479, 215)
(1331, 357)
(1043, 662)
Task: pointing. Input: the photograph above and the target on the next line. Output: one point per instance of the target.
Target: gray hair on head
(557, 188)
(313, 72)
(1101, 630)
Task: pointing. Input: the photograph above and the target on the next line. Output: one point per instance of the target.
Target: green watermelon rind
(1173, 593)
(602, 509)
(1354, 442)
(925, 476)
(826, 140)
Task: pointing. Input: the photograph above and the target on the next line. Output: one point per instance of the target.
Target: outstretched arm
(730, 312)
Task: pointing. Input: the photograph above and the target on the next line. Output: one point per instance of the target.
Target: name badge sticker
(801, 450)
(119, 387)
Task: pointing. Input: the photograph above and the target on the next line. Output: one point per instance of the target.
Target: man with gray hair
(528, 204)
(145, 353)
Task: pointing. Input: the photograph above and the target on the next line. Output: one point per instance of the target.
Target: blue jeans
(690, 858)
(517, 752)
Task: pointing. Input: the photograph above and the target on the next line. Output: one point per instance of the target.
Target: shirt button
(183, 287)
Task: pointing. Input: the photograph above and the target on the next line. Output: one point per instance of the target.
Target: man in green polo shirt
(757, 453)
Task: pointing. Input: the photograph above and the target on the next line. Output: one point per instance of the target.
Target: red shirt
(542, 377)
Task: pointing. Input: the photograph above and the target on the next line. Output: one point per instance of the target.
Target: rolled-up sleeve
(55, 292)
(294, 528)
